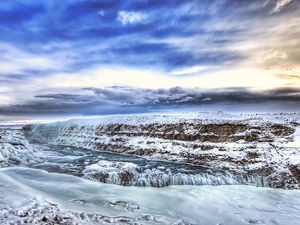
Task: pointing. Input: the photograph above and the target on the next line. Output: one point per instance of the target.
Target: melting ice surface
(116, 204)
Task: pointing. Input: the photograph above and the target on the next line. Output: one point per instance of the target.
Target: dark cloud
(66, 98)
(121, 99)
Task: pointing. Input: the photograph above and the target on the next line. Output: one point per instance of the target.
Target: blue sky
(57, 55)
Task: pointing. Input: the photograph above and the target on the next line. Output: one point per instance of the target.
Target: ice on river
(37, 196)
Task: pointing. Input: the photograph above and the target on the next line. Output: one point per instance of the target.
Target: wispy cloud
(189, 70)
(14, 60)
(280, 4)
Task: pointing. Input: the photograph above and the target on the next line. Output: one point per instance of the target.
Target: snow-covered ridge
(172, 118)
(251, 146)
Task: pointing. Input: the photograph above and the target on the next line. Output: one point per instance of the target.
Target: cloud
(14, 60)
(168, 35)
(48, 47)
(123, 99)
(126, 17)
(189, 70)
(280, 4)
(100, 77)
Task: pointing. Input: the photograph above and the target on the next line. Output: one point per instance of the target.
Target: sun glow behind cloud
(252, 79)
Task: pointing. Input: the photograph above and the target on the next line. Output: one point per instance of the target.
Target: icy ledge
(261, 149)
(130, 174)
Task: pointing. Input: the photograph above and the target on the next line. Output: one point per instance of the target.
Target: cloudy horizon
(104, 57)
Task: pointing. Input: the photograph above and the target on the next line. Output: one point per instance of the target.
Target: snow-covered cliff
(257, 148)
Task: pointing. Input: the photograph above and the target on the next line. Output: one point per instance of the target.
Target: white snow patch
(296, 141)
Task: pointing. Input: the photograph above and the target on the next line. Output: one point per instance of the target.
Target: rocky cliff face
(12, 146)
(256, 148)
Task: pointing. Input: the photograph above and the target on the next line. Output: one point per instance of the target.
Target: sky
(92, 57)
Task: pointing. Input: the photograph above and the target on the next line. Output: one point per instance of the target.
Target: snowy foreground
(262, 149)
(188, 168)
(30, 196)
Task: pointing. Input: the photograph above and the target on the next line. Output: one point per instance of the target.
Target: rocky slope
(256, 148)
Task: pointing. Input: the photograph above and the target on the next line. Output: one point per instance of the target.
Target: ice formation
(129, 174)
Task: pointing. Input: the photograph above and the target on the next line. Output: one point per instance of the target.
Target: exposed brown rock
(295, 170)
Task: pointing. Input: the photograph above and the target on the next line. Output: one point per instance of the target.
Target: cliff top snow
(193, 117)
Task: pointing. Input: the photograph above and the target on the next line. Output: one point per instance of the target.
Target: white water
(128, 173)
(170, 205)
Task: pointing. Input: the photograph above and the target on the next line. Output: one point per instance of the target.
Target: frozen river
(29, 190)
